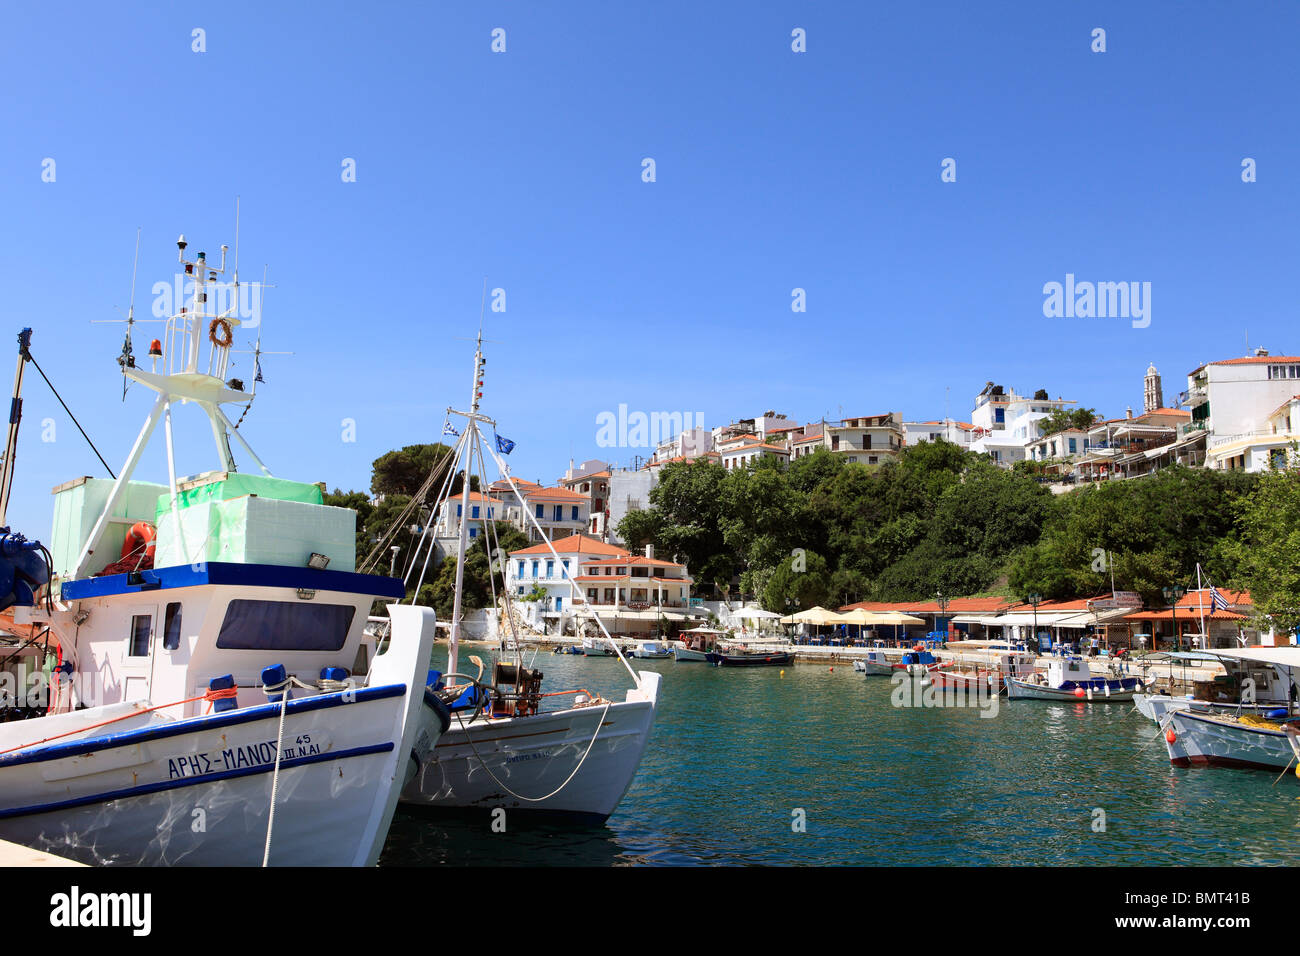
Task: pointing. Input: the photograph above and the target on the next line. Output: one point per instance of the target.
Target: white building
(959, 433)
(1005, 423)
(536, 567)
(686, 445)
(591, 478)
(865, 439)
(628, 491)
(1235, 401)
(741, 455)
(558, 511)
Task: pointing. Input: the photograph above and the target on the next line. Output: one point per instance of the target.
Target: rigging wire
(28, 355)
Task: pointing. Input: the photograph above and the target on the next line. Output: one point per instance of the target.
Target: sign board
(1118, 599)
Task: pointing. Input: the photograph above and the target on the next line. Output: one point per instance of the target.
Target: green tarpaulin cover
(239, 486)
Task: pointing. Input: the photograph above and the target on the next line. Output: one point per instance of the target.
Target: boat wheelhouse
(214, 701)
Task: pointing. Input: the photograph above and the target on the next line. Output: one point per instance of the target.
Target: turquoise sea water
(736, 752)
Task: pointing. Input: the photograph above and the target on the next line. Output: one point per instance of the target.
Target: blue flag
(505, 445)
(258, 376)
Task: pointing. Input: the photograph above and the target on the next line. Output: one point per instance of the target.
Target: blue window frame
(565, 572)
(550, 569)
(521, 569)
(473, 512)
(473, 532)
(285, 626)
(541, 511)
(534, 569)
(1074, 446)
(458, 511)
(559, 512)
(575, 513)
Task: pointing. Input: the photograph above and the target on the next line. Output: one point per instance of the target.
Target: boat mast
(453, 640)
(15, 418)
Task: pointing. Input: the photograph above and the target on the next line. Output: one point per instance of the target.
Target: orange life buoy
(228, 334)
(140, 538)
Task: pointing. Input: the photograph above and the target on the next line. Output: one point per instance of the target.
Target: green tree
(1269, 549)
(799, 582)
(1060, 419)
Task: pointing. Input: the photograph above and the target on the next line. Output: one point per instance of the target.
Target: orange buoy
(1171, 736)
(1078, 692)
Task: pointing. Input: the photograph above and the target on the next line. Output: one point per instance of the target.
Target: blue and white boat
(1069, 678)
(215, 701)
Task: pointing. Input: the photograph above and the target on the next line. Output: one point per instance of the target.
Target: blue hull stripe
(242, 575)
(191, 781)
(193, 725)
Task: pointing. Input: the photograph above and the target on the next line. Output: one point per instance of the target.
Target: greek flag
(1218, 599)
(505, 445)
(257, 363)
(448, 429)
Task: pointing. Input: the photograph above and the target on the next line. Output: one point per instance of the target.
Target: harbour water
(738, 753)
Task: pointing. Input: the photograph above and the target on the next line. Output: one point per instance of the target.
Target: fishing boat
(689, 655)
(564, 754)
(990, 678)
(875, 663)
(918, 663)
(749, 658)
(213, 702)
(1069, 678)
(1244, 686)
(651, 651)
(1260, 741)
(699, 641)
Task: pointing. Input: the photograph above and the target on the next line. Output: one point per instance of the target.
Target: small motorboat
(685, 654)
(1069, 678)
(652, 651)
(875, 664)
(918, 663)
(749, 659)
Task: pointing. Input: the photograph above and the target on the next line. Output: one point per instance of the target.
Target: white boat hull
(1026, 690)
(682, 654)
(498, 763)
(1206, 740)
(151, 791)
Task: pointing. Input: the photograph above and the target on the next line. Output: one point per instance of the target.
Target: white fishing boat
(1070, 679)
(689, 655)
(651, 651)
(570, 754)
(1232, 739)
(1246, 686)
(875, 664)
(213, 703)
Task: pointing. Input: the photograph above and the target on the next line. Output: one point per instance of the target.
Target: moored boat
(749, 659)
(214, 703)
(1070, 679)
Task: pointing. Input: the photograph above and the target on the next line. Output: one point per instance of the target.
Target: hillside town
(1234, 414)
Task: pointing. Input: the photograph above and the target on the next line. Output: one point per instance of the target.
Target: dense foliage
(822, 531)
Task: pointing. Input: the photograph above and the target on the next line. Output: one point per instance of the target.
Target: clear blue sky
(775, 170)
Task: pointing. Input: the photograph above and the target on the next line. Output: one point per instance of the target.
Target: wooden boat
(991, 678)
(749, 659)
(1070, 679)
(685, 654)
(1249, 741)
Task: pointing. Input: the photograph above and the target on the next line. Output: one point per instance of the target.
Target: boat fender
(1078, 692)
(1170, 736)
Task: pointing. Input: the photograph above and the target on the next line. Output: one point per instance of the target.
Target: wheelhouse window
(141, 630)
(172, 626)
(285, 626)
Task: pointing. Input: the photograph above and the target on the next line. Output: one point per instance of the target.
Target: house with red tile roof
(1232, 403)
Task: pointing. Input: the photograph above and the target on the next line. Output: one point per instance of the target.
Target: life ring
(141, 535)
(227, 339)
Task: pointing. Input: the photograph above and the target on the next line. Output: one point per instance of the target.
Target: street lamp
(943, 609)
(1035, 599)
(1172, 594)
